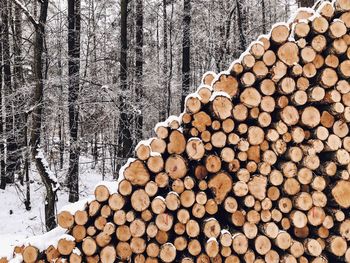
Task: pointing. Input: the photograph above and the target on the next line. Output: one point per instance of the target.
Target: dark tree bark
(37, 118)
(186, 52)
(241, 24)
(164, 106)
(2, 138)
(20, 98)
(73, 93)
(125, 141)
(139, 68)
(171, 55)
(263, 6)
(37, 114)
(306, 3)
(8, 91)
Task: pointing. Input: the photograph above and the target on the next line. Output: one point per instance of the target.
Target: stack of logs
(255, 170)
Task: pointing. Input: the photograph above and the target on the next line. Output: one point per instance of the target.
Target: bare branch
(26, 12)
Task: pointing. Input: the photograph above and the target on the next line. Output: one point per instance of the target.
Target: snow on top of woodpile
(219, 94)
(122, 169)
(145, 142)
(208, 73)
(203, 86)
(41, 242)
(172, 118)
(77, 206)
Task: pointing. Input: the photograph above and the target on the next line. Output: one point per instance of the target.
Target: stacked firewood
(257, 168)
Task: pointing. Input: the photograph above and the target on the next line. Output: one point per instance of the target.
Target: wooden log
(65, 246)
(65, 219)
(177, 142)
(262, 245)
(228, 84)
(280, 33)
(288, 53)
(137, 173)
(222, 107)
(341, 194)
(250, 97)
(176, 166)
(140, 200)
(212, 247)
(30, 254)
(123, 250)
(220, 185)
(239, 243)
(79, 233)
(108, 254)
(81, 217)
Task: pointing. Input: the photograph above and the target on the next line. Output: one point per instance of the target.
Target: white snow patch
(77, 206)
(160, 197)
(144, 142)
(153, 154)
(212, 239)
(194, 139)
(41, 242)
(204, 87)
(218, 94)
(171, 118)
(173, 193)
(76, 251)
(225, 231)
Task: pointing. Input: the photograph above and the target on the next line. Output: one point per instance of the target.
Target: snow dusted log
(256, 169)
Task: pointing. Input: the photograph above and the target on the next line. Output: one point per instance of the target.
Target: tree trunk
(37, 113)
(263, 7)
(2, 138)
(125, 141)
(186, 44)
(165, 62)
(170, 75)
(8, 90)
(19, 100)
(139, 68)
(73, 93)
(241, 24)
(305, 3)
(27, 201)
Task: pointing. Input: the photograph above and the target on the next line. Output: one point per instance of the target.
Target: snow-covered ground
(17, 224)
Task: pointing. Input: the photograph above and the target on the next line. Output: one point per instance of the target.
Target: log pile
(257, 168)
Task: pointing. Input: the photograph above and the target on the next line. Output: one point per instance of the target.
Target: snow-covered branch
(53, 179)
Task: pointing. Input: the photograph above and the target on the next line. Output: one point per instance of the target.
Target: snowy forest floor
(16, 223)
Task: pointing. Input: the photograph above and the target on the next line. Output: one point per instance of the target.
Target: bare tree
(186, 50)
(165, 107)
(305, 3)
(241, 21)
(139, 68)
(8, 92)
(19, 100)
(2, 137)
(36, 111)
(73, 93)
(125, 141)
